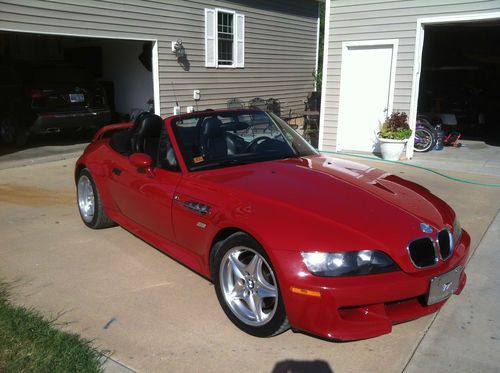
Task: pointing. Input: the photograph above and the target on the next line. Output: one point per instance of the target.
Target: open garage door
(460, 80)
(55, 86)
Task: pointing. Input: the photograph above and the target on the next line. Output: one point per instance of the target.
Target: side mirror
(142, 162)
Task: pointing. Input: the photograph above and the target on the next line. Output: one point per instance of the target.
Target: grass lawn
(31, 343)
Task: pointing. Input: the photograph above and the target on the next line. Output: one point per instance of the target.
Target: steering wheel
(253, 144)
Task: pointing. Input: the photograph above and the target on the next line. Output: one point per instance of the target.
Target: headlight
(457, 231)
(350, 263)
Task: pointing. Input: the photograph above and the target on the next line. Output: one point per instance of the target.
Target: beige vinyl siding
(280, 43)
(360, 20)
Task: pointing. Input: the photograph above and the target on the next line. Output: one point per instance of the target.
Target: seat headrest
(138, 119)
(148, 125)
(212, 127)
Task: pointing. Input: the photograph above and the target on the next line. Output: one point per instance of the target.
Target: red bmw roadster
(289, 237)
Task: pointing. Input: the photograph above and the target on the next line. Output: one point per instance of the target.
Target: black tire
(12, 133)
(425, 139)
(425, 121)
(276, 321)
(98, 219)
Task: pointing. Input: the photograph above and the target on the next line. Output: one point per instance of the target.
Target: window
(225, 34)
(224, 38)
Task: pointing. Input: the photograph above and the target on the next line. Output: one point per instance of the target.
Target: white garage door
(365, 95)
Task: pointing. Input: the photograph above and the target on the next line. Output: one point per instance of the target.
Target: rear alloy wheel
(11, 133)
(90, 204)
(247, 287)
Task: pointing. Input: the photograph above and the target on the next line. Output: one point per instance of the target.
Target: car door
(193, 216)
(195, 204)
(147, 198)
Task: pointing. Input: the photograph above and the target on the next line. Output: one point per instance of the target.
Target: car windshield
(61, 75)
(219, 139)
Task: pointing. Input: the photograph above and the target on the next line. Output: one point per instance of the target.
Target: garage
(270, 49)
(60, 87)
(460, 79)
(436, 61)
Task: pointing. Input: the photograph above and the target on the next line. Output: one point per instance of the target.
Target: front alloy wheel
(247, 287)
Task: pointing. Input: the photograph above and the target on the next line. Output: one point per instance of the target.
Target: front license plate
(76, 97)
(444, 285)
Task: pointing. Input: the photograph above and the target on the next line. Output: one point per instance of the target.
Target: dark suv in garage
(43, 98)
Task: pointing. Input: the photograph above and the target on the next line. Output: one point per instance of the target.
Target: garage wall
(360, 20)
(122, 66)
(280, 42)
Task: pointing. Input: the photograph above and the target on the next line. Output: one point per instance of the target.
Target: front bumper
(350, 308)
(59, 121)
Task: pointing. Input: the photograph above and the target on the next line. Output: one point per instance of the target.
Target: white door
(364, 96)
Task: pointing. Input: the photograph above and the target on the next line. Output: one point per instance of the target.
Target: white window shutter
(240, 41)
(210, 38)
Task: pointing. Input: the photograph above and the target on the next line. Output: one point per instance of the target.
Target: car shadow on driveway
(61, 140)
(302, 366)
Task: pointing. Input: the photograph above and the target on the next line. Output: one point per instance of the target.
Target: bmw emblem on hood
(426, 228)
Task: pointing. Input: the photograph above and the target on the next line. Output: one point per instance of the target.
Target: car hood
(383, 209)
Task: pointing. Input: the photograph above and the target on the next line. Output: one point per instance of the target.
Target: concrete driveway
(155, 315)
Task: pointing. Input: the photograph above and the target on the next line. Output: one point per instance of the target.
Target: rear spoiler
(106, 131)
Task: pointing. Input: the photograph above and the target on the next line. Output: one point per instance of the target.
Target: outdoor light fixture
(178, 49)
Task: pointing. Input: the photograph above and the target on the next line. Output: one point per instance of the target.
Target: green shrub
(395, 127)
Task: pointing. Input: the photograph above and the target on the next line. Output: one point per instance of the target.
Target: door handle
(116, 171)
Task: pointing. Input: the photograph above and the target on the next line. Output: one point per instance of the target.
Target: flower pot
(392, 149)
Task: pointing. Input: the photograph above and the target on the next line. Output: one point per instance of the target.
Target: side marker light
(311, 293)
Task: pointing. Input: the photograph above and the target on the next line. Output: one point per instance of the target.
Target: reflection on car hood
(363, 198)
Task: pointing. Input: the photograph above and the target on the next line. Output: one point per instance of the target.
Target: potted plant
(393, 136)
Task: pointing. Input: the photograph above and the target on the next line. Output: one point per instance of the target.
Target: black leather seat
(121, 140)
(213, 142)
(146, 135)
(232, 147)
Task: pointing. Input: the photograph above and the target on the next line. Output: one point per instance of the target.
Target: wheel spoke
(255, 304)
(261, 279)
(264, 292)
(238, 291)
(254, 265)
(236, 266)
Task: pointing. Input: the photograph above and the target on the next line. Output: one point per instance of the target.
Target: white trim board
(156, 78)
(365, 43)
(417, 62)
(326, 45)
(318, 27)
(76, 34)
(155, 65)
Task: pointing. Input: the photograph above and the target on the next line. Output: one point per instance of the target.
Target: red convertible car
(289, 237)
